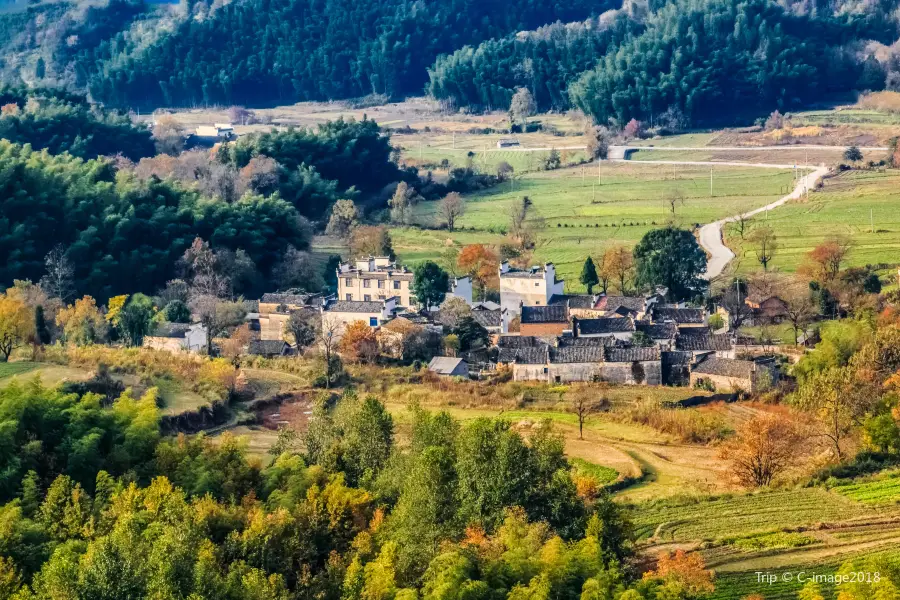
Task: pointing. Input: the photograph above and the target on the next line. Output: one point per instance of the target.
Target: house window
(536, 284)
(367, 298)
(396, 285)
(373, 321)
(348, 281)
(546, 370)
(380, 284)
(367, 283)
(349, 298)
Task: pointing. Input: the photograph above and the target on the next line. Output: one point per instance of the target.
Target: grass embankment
(582, 217)
(850, 204)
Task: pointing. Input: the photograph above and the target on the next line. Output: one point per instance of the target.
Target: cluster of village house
(561, 337)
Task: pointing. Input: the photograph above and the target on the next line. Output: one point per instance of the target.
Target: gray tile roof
(634, 354)
(267, 347)
(444, 364)
(703, 342)
(520, 341)
(587, 342)
(487, 318)
(726, 367)
(355, 306)
(545, 314)
(578, 354)
(679, 315)
(658, 331)
(632, 303)
(530, 356)
(289, 298)
(171, 330)
(572, 300)
(604, 325)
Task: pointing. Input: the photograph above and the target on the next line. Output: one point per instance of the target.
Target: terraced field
(883, 489)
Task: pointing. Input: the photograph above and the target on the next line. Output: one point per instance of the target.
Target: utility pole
(582, 174)
(454, 140)
(710, 184)
(599, 180)
(593, 192)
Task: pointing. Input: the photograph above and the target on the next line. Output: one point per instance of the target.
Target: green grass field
(849, 204)
(883, 489)
(716, 518)
(583, 217)
(9, 369)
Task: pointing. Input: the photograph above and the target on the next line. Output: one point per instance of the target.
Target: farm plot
(582, 212)
(861, 205)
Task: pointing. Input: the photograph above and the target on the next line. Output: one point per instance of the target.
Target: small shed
(268, 348)
(446, 365)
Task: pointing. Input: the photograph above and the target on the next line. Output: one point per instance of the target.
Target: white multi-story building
(377, 278)
(531, 287)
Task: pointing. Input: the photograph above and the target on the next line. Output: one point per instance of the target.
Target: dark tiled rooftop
(679, 315)
(604, 325)
(725, 367)
(545, 314)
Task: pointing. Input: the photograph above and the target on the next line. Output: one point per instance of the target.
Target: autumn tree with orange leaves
(359, 343)
(684, 573)
(823, 263)
(761, 450)
(481, 264)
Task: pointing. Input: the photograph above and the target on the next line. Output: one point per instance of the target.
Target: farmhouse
(275, 310)
(378, 277)
(684, 318)
(544, 320)
(448, 366)
(177, 337)
(662, 334)
(616, 327)
(703, 343)
(533, 287)
(337, 314)
(728, 375)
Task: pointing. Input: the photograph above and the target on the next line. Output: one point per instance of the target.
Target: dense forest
(122, 234)
(633, 60)
(716, 59)
(60, 122)
(98, 505)
(280, 51)
(704, 58)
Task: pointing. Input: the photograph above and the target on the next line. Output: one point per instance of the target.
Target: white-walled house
(337, 314)
(531, 287)
(177, 337)
(378, 278)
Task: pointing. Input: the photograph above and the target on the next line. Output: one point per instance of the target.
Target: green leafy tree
(430, 284)
(135, 319)
(177, 311)
(672, 258)
(589, 276)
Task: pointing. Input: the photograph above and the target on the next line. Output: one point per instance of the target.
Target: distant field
(786, 155)
(583, 217)
(844, 207)
(719, 517)
(49, 374)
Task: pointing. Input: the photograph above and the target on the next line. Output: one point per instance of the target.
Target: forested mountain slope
(277, 51)
(709, 59)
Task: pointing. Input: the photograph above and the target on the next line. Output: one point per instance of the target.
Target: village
(536, 332)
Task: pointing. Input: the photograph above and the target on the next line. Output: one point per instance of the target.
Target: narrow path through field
(711, 233)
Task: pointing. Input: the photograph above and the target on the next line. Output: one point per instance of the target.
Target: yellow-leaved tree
(82, 323)
(16, 325)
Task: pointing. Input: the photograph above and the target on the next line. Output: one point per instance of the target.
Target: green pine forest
(635, 60)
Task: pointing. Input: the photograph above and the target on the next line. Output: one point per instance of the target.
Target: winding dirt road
(711, 233)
